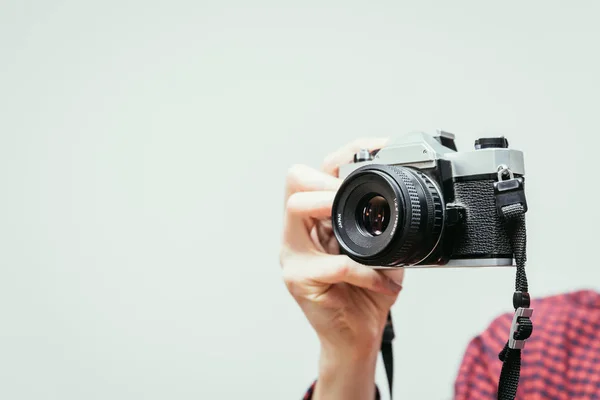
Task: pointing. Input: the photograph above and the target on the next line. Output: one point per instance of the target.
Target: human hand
(345, 302)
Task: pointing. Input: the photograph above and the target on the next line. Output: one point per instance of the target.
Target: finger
(345, 154)
(301, 210)
(332, 269)
(310, 204)
(317, 242)
(395, 274)
(327, 238)
(301, 178)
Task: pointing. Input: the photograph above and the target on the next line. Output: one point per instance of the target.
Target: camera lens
(374, 215)
(387, 215)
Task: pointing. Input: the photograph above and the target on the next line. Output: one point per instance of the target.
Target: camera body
(418, 202)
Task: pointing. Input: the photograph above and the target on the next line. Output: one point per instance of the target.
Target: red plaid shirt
(561, 360)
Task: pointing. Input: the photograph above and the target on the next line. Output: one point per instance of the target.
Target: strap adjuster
(514, 328)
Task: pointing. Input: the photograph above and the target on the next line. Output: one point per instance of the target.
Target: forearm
(344, 375)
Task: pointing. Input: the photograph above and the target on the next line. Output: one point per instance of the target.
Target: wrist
(347, 374)
(336, 357)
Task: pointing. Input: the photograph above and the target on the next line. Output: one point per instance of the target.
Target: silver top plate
(422, 150)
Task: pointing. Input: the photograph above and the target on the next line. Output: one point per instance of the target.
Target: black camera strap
(512, 206)
(387, 352)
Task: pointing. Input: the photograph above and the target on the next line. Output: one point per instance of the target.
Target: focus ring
(416, 214)
(425, 211)
(437, 211)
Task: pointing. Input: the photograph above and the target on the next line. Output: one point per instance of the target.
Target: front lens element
(374, 215)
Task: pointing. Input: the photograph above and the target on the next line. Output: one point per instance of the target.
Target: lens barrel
(387, 215)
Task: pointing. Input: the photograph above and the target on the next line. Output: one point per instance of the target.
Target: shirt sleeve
(309, 393)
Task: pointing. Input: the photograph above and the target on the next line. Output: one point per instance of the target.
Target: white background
(143, 149)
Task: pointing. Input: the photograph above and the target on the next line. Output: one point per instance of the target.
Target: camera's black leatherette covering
(483, 234)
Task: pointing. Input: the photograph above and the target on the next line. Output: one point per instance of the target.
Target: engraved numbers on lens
(395, 219)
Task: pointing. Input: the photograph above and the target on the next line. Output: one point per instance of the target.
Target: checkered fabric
(561, 360)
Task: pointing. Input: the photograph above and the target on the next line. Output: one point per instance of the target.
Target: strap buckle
(509, 191)
(514, 328)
